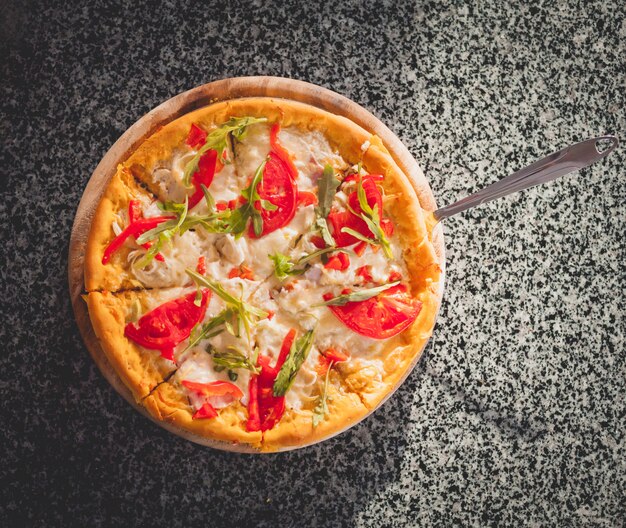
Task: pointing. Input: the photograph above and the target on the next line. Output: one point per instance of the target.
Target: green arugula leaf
(322, 226)
(236, 223)
(297, 356)
(361, 295)
(320, 252)
(372, 219)
(244, 314)
(218, 140)
(283, 267)
(209, 329)
(326, 189)
(165, 234)
(233, 359)
(358, 235)
(321, 409)
(210, 202)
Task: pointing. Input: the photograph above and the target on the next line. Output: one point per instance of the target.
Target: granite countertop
(515, 417)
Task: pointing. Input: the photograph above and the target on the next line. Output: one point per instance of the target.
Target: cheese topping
(295, 302)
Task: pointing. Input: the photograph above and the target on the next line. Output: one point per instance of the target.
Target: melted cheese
(293, 302)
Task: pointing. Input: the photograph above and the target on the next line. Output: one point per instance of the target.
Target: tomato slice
(278, 188)
(264, 409)
(203, 176)
(380, 317)
(339, 262)
(373, 177)
(214, 388)
(169, 324)
(196, 137)
(341, 219)
(281, 151)
(306, 198)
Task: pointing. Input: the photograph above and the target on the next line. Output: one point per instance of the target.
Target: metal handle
(551, 167)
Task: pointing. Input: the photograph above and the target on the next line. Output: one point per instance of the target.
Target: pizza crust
(112, 276)
(296, 427)
(359, 390)
(170, 404)
(141, 370)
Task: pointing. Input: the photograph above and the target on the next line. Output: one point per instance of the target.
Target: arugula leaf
(236, 223)
(244, 314)
(320, 252)
(209, 329)
(372, 219)
(210, 202)
(297, 355)
(361, 295)
(322, 225)
(165, 234)
(283, 267)
(358, 235)
(321, 409)
(218, 140)
(326, 189)
(234, 359)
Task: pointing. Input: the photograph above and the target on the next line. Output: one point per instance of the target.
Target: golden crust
(169, 403)
(141, 370)
(114, 275)
(357, 390)
(296, 428)
(342, 134)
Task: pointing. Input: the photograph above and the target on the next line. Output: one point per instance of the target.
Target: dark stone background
(516, 417)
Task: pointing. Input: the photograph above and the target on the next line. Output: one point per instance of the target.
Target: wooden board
(170, 110)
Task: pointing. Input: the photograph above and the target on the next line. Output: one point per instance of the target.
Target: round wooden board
(170, 110)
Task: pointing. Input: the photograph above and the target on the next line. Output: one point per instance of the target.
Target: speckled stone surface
(516, 416)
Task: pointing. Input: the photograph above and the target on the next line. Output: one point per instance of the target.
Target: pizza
(261, 272)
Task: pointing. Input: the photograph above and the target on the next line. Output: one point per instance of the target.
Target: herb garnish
(297, 355)
(244, 314)
(218, 140)
(209, 329)
(326, 189)
(321, 409)
(214, 222)
(164, 232)
(356, 296)
(235, 221)
(233, 359)
(371, 216)
(284, 267)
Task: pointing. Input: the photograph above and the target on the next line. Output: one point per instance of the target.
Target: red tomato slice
(206, 411)
(281, 151)
(169, 324)
(335, 355)
(265, 409)
(306, 198)
(339, 262)
(373, 177)
(343, 219)
(203, 176)
(365, 272)
(278, 188)
(196, 137)
(215, 388)
(380, 317)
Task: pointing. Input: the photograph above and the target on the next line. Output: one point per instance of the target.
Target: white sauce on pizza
(294, 303)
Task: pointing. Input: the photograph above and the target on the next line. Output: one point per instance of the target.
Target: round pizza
(260, 271)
